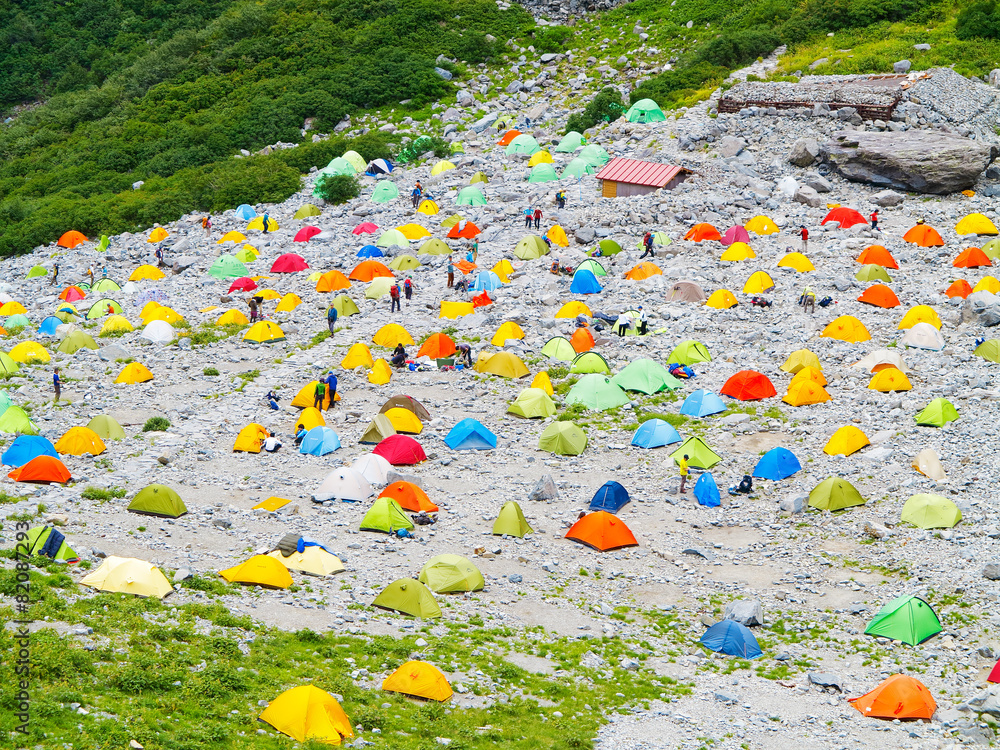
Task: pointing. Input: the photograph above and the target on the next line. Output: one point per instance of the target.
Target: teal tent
(578, 168)
(645, 110)
(570, 142)
(471, 196)
(228, 267)
(543, 173)
(384, 192)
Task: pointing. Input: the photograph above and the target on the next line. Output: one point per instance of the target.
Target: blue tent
(731, 638)
(706, 491)
(702, 403)
(486, 281)
(245, 212)
(470, 434)
(777, 463)
(610, 497)
(48, 326)
(319, 441)
(584, 282)
(378, 166)
(370, 251)
(26, 447)
(654, 433)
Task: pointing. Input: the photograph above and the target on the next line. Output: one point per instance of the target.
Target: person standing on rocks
(874, 218)
(408, 290)
(804, 234)
(252, 304)
(331, 386)
(331, 319)
(624, 322)
(474, 247)
(56, 383)
(647, 244)
(394, 299)
(451, 272)
(417, 192)
(561, 199)
(55, 274)
(206, 224)
(527, 217)
(266, 220)
(682, 469)
(537, 216)
(319, 394)
(643, 322)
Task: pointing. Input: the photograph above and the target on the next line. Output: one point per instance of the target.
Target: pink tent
(365, 228)
(307, 233)
(289, 263)
(735, 234)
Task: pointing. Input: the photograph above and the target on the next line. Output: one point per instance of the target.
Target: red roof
(636, 172)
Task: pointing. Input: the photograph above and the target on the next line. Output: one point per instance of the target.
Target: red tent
(71, 239)
(846, 217)
(365, 227)
(72, 294)
(994, 675)
(243, 284)
(735, 234)
(481, 300)
(748, 385)
(42, 470)
(400, 450)
(306, 233)
(463, 229)
(972, 257)
(289, 263)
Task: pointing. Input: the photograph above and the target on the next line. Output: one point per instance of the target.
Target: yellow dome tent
(308, 713)
(987, 284)
(453, 310)
(128, 575)
(166, 314)
(309, 418)
(890, 379)
(404, 421)
(413, 231)
(392, 334)
(919, 314)
(572, 309)
(232, 318)
(259, 570)
(805, 392)
(442, 166)
(134, 372)
(147, 309)
(799, 359)
(809, 373)
(758, 282)
(508, 330)
(356, 160)
(761, 225)
(288, 303)
(381, 373)
(233, 236)
(845, 441)
(542, 380)
(738, 251)
(846, 328)
(264, 332)
(530, 247)
(557, 235)
(258, 224)
(306, 397)
(540, 157)
(78, 441)
(146, 273)
(359, 355)
(721, 299)
(251, 438)
(114, 324)
(405, 262)
(975, 224)
(16, 308)
(159, 234)
(504, 364)
(797, 261)
(29, 352)
(313, 560)
(503, 269)
(434, 246)
(428, 208)
(420, 679)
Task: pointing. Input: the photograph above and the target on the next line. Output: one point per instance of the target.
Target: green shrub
(551, 38)
(156, 424)
(337, 189)
(209, 371)
(735, 49)
(980, 20)
(605, 107)
(98, 493)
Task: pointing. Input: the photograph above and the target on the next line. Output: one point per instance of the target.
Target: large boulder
(804, 152)
(915, 160)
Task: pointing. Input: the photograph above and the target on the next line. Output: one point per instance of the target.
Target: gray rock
(995, 78)
(992, 572)
(746, 612)
(816, 63)
(545, 489)
(111, 352)
(183, 262)
(809, 196)
(887, 198)
(793, 504)
(988, 701)
(993, 172)
(903, 66)
(515, 578)
(222, 523)
(392, 476)
(826, 679)
(484, 122)
(182, 574)
(821, 109)
(730, 146)
(465, 98)
(584, 235)
(724, 697)
(445, 74)
(514, 86)
(818, 183)
(629, 664)
(921, 47)
(707, 620)
(700, 552)
(804, 152)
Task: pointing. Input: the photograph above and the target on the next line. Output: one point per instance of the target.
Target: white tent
(881, 357)
(923, 336)
(344, 484)
(159, 332)
(372, 467)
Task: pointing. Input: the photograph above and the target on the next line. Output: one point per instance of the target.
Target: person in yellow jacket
(682, 469)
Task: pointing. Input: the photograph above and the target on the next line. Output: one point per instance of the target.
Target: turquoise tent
(570, 142)
(645, 110)
(384, 192)
(543, 172)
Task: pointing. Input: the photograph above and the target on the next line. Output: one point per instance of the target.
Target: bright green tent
(937, 413)
(930, 512)
(306, 211)
(344, 306)
(835, 493)
(451, 574)
(992, 249)
(434, 246)
(530, 247)
(8, 366)
(405, 262)
(523, 144)
(103, 244)
(593, 266)
(457, 147)
(563, 438)
(511, 521)
(661, 238)
(409, 597)
(15, 420)
(158, 500)
(907, 618)
(100, 308)
(355, 160)
(76, 341)
(543, 173)
(533, 403)
(339, 166)
(227, 267)
(700, 456)
(245, 255)
(595, 155)
(646, 376)
(470, 196)
(17, 321)
(36, 271)
(570, 142)
(989, 350)
(107, 428)
(645, 110)
(38, 536)
(689, 353)
(597, 393)
(590, 362)
(384, 192)
(609, 247)
(392, 238)
(106, 285)
(578, 168)
(872, 272)
(386, 516)
(559, 348)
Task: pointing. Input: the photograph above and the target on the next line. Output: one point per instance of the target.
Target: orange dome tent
(602, 531)
(845, 217)
(899, 697)
(748, 385)
(959, 288)
(582, 340)
(924, 236)
(42, 470)
(878, 255)
(643, 271)
(437, 346)
(410, 497)
(367, 270)
(71, 239)
(331, 281)
(463, 230)
(879, 295)
(701, 232)
(971, 257)
(508, 137)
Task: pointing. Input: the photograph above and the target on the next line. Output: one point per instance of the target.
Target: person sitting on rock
(398, 356)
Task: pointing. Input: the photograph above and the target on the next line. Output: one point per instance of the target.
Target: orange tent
(331, 281)
(71, 239)
(437, 346)
(508, 137)
(467, 231)
(72, 294)
(410, 497)
(879, 295)
(643, 271)
(700, 232)
(748, 385)
(43, 470)
(602, 531)
(465, 266)
(899, 697)
(924, 236)
(582, 340)
(367, 270)
(972, 257)
(879, 256)
(959, 288)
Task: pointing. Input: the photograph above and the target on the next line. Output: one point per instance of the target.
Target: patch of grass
(156, 424)
(5, 498)
(103, 494)
(210, 371)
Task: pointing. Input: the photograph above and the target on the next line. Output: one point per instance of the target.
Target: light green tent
(597, 393)
(609, 247)
(542, 173)
(227, 267)
(457, 147)
(930, 512)
(590, 362)
(107, 428)
(75, 341)
(906, 618)
(700, 456)
(835, 493)
(386, 516)
(15, 420)
(384, 192)
(103, 244)
(17, 321)
(645, 110)
(344, 306)
(64, 315)
(578, 168)
(646, 376)
(559, 348)
(450, 574)
(533, 403)
(937, 413)
(245, 255)
(409, 597)
(337, 166)
(404, 262)
(593, 266)
(478, 177)
(563, 438)
(530, 247)
(38, 536)
(106, 285)
(989, 350)
(355, 160)
(306, 211)
(511, 521)
(570, 142)
(595, 155)
(689, 353)
(992, 249)
(523, 144)
(158, 500)
(35, 272)
(379, 287)
(470, 196)
(8, 366)
(100, 308)
(5, 401)
(872, 272)
(392, 238)
(434, 246)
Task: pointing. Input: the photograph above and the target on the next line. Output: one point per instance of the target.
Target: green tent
(597, 393)
(434, 246)
(227, 267)
(17, 321)
(457, 147)
(64, 316)
(344, 306)
(404, 263)
(5, 401)
(590, 362)
(646, 376)
(158, 500)
(938, 413)
(835, 493)
(384, 192)
(593, 266)
(37, 538)
(511, 521)
(408, 597)
(75, 341)
(530, 247)
(532, 403)
(872, 272)
(306, 211)
(689, 353)
(478, 177)
(930, 512)
(989, 350)
(8, 366)
(578, 168)
(107, 428)
(570, 142)
(559, 348)
(15, 420)
(100, 308)
(992, 249)
(907, 618)
(542, 173)
(470, 196)
(595, 155)
(386, 516)
(36, 271)
(700, 456)
(392, 238)
(355, 160)
(245, 255)
(645, 110)
(103, 244)
(378, 430)
(338, 166)
(451, 574)
(106, 285)
(523, 144)
(563, 438)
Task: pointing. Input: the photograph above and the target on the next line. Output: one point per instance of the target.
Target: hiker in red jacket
(537, 216)
(874, 218)
(804, 233)
(394, 298)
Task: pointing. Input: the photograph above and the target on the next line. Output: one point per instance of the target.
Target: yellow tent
(540, 157)
(890, 379)
(976, 224)
(434, 246)
(148, 308)
(758, 282)
(116, 323)
(420, 679)
(127, 575)
(761, 225)
(504, 364)
(738, 251)
(272, 503)
(16, 308)
(543, 381)
(558, 236)
(233, 236)
(442, 166)
(919, 314)
(306, 397)
(721, 299)
(259, 570)
(428, 207)
(251, 438)
(453, 310)
(846, 328)
(288, 303)
(392, 334)
(805, 392)
(264, 332)
(845, 441)
(313, 560)
(987, 284)
(309, 418)
(799, 359)
(268, 294)
(359, 355)
(146, 273)
(258, 224)
(157, 235)
(797, 261)
(572, 309)
(166, 314)
(381, 373)
(308, 713)
(413, 231)
(404, 421)
(232, 318)
(508, 330)
(29, 352)
(134, 372)
(77, 441)
(503, 269)
(810, 373)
